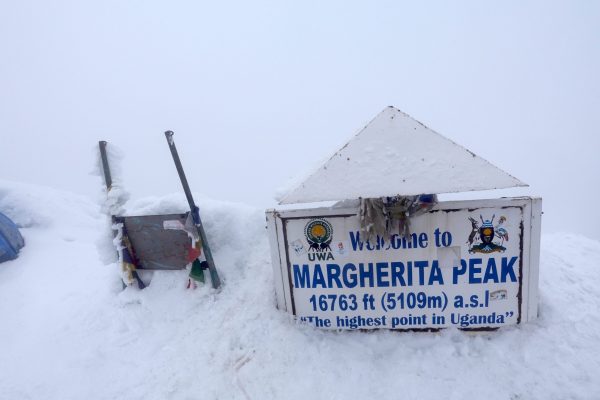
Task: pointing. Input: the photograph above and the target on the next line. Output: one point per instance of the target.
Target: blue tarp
(11, 240)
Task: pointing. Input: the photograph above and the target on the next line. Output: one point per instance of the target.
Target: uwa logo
(319, 233)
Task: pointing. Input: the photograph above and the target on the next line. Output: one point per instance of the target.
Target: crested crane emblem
(487, 237)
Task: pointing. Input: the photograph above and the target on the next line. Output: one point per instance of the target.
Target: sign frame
(531, 208)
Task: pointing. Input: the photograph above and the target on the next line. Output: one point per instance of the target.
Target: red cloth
(193, 253)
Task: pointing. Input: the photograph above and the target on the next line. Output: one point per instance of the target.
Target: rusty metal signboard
(466, 264)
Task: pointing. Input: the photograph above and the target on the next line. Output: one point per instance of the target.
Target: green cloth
(197, 273)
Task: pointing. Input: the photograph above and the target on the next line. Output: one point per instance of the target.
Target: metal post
(105, 167)
(216, 281)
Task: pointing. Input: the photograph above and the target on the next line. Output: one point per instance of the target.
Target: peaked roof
(396, 154)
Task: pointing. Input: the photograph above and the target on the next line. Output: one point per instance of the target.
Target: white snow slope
(67, 331)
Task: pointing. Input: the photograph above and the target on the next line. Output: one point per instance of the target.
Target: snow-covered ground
(67, 331)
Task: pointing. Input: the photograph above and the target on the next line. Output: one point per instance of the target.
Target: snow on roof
(396, 154)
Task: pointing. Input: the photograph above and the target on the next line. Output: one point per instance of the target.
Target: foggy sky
(258, 92)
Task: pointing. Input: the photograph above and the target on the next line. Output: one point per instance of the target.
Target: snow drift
(68, 331)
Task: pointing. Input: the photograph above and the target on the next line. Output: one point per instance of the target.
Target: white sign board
(468, 264)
